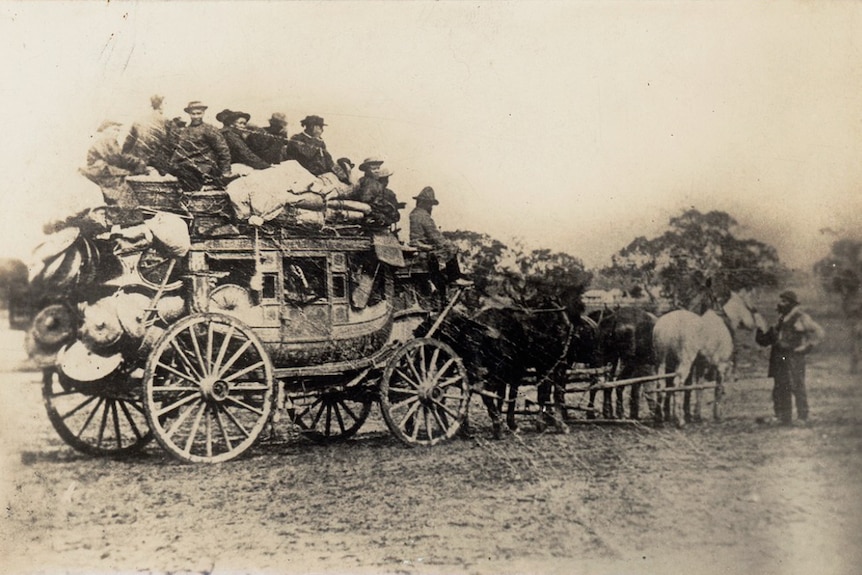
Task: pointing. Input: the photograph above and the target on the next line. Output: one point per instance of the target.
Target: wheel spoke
(235, 421)
(210, 345)
(233, 358)
(103, 423)
(179, 403)
(178, 373)
(116, 417)
(185, 359)
(244, 405)
(79, 407)
(408, 378)
(184, 414)
(445, 408)
(209, 435)
(410, 411)
(243, 371)
(349, 411)
(432, 365)
(316, 419)
(131, 420)
(221, 426)
(427, 422)
(204, 366)
(439, 420)
(338, 417)
(194, 430)
(414, 431)
(328, 425)
(90, 416)
(419, 378)
(444, 369)
(223, 349)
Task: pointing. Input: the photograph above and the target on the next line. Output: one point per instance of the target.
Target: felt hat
(789, 296)
(312, 121)
(278, 117)
(383, 173)
(224, 115)
(236, 115)
(371, 162)
(194, 105)
(426, 195)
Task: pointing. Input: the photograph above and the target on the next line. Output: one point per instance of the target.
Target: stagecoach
(249, 323)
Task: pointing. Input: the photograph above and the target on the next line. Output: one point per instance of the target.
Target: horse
(502, 345)
(625, 343)
(681, 337)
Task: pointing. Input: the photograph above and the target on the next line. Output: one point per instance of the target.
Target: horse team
(502, 346)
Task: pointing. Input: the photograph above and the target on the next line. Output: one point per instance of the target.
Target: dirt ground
(730, 497)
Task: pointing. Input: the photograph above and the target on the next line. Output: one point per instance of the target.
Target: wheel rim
(106, 420)
(152, 267)
(424, 392)
(208, 388)
(331, 416)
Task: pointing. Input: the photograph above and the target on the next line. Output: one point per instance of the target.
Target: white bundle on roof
(265, 192)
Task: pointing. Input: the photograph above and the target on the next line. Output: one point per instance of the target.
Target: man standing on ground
(793, 336)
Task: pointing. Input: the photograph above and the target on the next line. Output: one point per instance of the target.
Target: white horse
(681, 337)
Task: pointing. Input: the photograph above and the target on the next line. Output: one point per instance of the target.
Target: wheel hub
(214, 389)
(428, 392)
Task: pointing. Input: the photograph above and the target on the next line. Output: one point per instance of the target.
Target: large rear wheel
(424, 392)
(208, 388)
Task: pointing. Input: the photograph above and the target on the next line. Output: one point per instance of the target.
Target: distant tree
(699, 256)
(841, 273)
(480, 256)
(542, 276)
(13, 277)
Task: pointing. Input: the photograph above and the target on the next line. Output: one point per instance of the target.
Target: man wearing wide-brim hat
(201, 155)
(791, 338)
(309, 149)
(235, 134)
(373, 189)
(425, 236)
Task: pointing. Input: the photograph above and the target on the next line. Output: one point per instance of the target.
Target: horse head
(741, 313)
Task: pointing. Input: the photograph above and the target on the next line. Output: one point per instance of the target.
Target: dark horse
(504, 345)
(625, 345)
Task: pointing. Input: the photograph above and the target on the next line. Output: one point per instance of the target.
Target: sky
(574, 126)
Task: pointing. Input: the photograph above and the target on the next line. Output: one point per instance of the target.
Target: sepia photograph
(431, 287)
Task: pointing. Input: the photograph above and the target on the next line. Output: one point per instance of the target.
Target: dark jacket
(204, 149)
(268, 143)
(791, 338)
(240, 153)
(312, 155)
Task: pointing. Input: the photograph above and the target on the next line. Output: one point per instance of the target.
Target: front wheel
(208, 388)
(106, 419)
(424, 392)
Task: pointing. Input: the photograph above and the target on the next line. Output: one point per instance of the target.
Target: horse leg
(677, 398)
(559, 407)
(721, 376)
(511, 405)
(591, 409)
(655, 396)
(492, 405)
(607, 404)
(635, 401)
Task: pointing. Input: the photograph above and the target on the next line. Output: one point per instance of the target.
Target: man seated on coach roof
(309, 149)
(373, 190)
(201, 156)
(425, 235)
(235, 134)
(270, 142)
